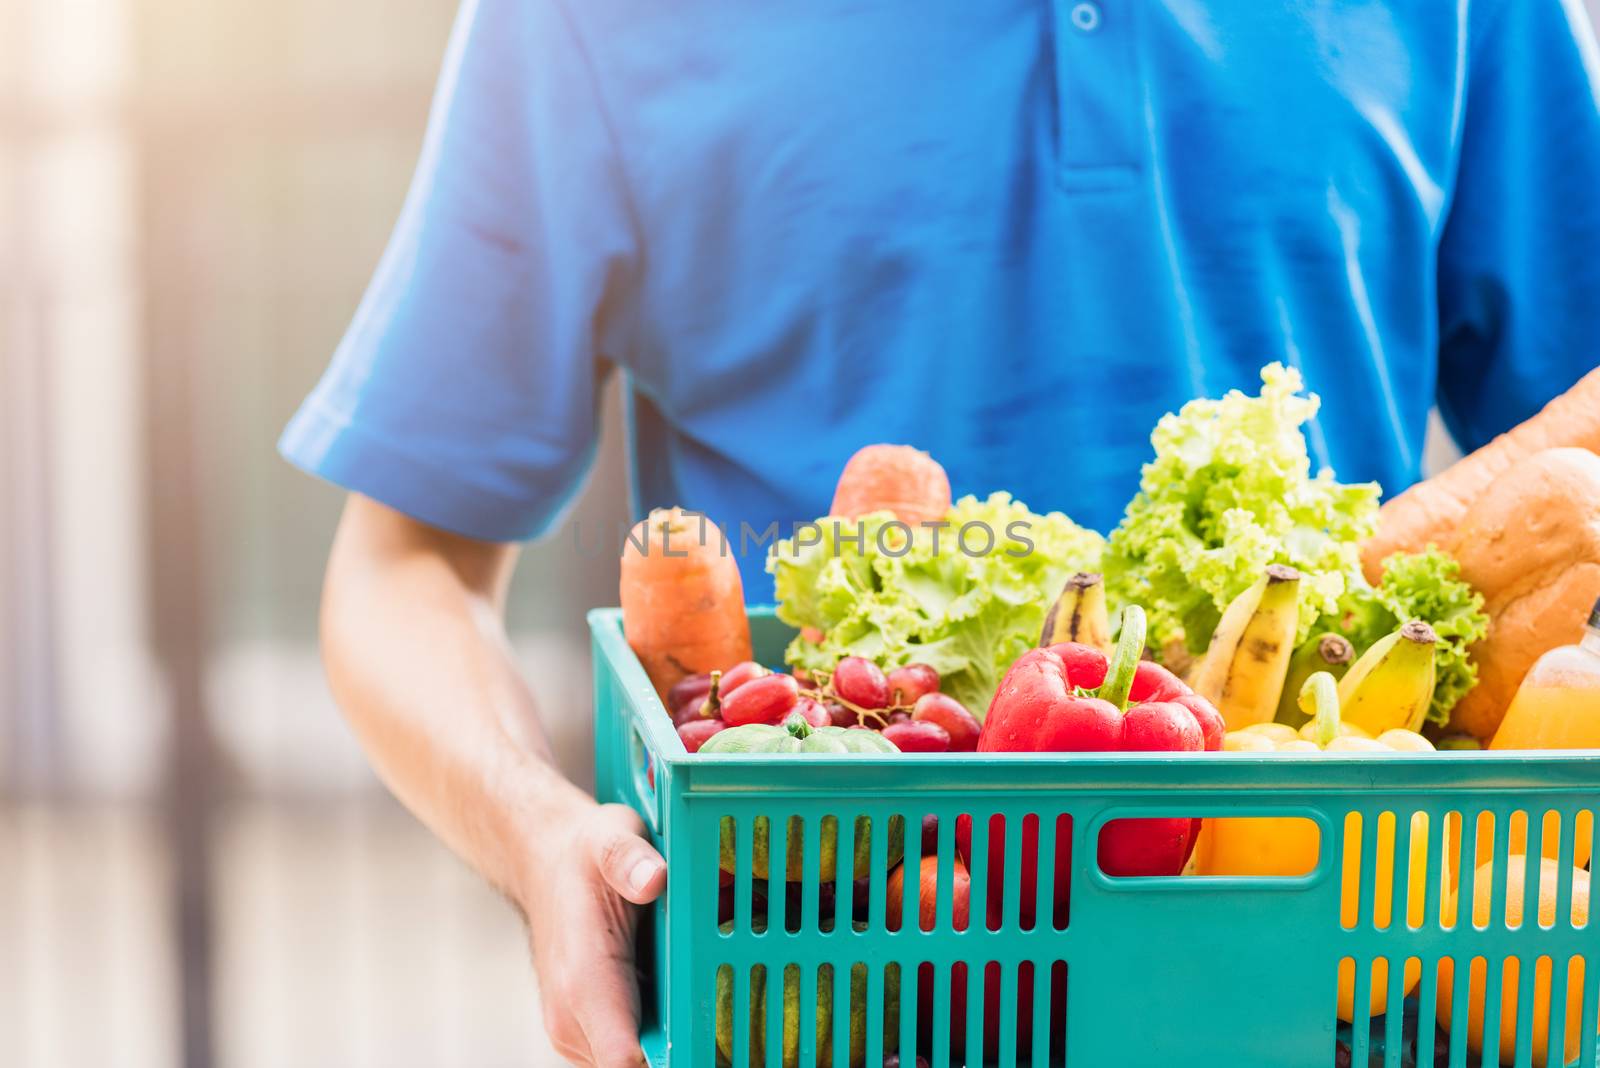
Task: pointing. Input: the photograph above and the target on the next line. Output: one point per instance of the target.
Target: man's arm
(417, 656)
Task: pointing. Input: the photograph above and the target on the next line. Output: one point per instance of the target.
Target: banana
(1321, 652)
(1391, 684)
(1243, 670)
(1079, 614)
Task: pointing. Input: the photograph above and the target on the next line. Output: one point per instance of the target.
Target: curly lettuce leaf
(1425, 586)
(1230, 491)
(966, 605)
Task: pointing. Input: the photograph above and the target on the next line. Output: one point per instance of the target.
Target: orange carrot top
(682, 599)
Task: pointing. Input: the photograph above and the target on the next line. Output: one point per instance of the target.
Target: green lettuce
(1230, 491)
(1425, 586)
(897, 595)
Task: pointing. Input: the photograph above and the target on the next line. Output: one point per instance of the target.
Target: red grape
(764, 700)
(899, 715)
(692, 688)
(690, 710)
(738, 675)
(694, 733)
(842, 716)
(908, 683)
(918, 736)
(950, 714)
(815, 714)
(861, 682)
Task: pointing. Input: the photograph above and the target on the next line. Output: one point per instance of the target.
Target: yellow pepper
(1289, 845)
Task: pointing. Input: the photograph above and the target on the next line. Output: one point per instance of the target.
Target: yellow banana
(1079, 614)
(1391, 684)
(1243, 670)
(1321, 652)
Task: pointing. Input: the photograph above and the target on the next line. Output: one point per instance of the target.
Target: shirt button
(1086, 16)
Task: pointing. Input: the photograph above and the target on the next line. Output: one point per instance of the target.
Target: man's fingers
(627, 862)
(609, 1010)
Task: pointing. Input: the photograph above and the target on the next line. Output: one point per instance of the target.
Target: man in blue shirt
(1010, 233)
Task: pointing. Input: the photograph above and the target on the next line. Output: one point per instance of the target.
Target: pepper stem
(1124, 658)
(797, 726)
(1320, 698)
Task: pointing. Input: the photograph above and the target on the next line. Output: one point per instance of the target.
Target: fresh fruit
(1391, 684)
(1079, 614)
(946, 711)
(682, 598)
(907, 684)
(1044, 705)
(767, 699)
(696, 732)
(1578, 978)
(860, 682)
(841, 716)
(691, 689)
(1288, 846)
(1328, 652)
(739, 674)
(1244, 667)
(814, 712)
(918, 737)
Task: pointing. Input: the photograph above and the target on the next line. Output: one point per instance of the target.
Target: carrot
(1431, 510)
(892, 478)
(682, 599)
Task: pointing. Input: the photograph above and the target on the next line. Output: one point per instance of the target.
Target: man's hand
(417, 657)
(581, 925)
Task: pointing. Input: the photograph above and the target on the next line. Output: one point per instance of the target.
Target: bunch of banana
(1328, 652)
(1079, 614)
(1391, 685)
(1243, 670)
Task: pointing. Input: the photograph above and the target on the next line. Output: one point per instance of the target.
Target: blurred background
(196, 867)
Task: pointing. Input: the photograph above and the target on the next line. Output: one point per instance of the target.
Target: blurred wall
(199, 190)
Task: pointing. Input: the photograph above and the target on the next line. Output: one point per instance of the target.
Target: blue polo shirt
(1010, 232)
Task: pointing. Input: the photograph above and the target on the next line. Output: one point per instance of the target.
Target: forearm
(418, 660)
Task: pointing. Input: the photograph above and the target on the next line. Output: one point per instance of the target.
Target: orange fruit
(1549, 871)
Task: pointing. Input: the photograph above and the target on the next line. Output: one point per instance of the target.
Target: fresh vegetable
(790, 1048)
(960, 915)
(1068, 698)
(1287, 845)
(1079, 614)
(1531, 545)
(1230, 491)
(1431, 512)
(795, 736)
(1578, 978)
(898, 598)
(898, 479)
(1244, 667)
(1321, 652)
(682, 599)
(1425, 585)
(1391, 684)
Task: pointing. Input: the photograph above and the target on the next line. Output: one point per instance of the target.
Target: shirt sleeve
(1519, 278)
(464, 392)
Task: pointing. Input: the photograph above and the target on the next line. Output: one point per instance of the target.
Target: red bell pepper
(1068, 698)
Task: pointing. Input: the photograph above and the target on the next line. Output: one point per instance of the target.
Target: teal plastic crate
(1226, 971)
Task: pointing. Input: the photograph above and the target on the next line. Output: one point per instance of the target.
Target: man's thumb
(630, 866)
